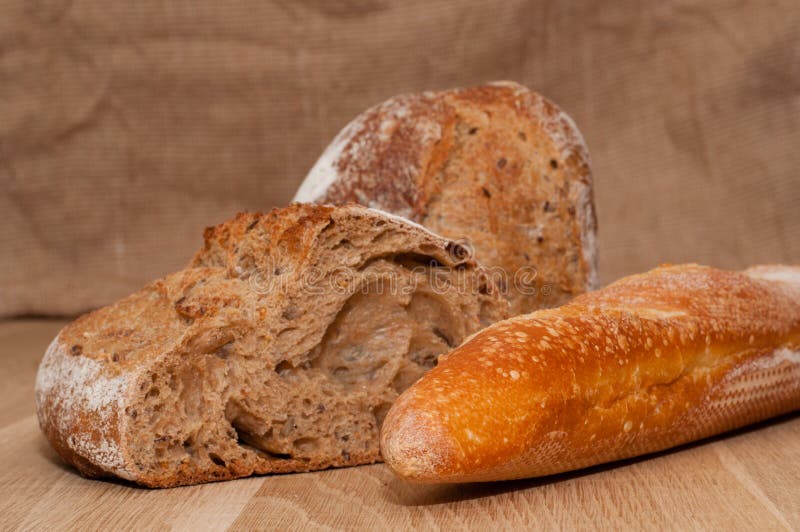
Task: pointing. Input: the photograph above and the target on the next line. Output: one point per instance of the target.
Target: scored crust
(262, 355)
(650, 362)
(498, 165)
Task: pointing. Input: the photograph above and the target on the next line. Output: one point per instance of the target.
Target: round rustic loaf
(498, 165)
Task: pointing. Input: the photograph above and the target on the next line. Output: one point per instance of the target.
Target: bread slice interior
(280, 348)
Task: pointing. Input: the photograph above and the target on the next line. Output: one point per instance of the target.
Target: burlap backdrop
(126, 127)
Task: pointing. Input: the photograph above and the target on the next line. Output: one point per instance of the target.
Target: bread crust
(650, 362)
(94, 375)
(81, 418)
(498, 165)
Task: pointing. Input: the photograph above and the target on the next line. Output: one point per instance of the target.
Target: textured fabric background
(127, 127)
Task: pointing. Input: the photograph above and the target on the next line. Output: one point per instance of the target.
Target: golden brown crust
(497, 164)
(652, 361)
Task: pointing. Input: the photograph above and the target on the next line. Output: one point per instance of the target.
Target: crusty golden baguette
(652, 361)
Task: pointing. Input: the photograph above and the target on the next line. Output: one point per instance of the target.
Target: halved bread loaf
(498, 165)
(279, 348)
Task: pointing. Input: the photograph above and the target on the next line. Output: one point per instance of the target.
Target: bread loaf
(497, 165)
(650, 362)
(279, 348)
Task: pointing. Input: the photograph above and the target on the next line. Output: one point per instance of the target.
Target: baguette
(498, 165)
(652, 361)
(278, 349)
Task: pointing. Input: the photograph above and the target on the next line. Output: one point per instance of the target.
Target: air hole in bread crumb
(411, 260)
(553, 164)
(292, 312)
(341, 372)
(217, 459)
(306, 445)
(444, 337)
(344, 243)
(380, 412)
(457, 251)
(283, 367)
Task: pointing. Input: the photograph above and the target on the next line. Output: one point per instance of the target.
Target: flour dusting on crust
(785, 274)
(360, 156)
(325, 172)
(69, 386)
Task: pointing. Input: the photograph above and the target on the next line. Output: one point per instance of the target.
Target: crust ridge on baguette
(278, 349)
(650, 362)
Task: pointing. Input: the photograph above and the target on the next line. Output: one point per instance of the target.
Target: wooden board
(747, 480)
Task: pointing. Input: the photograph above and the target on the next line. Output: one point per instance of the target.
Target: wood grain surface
(749, 480)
